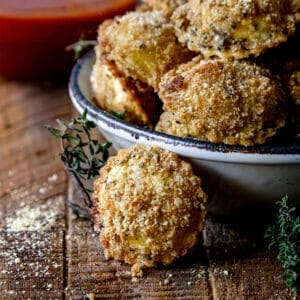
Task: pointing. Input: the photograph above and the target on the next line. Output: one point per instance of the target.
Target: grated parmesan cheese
(37, 217)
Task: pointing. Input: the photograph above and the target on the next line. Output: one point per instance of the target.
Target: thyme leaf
(80, 45)
(119, 115)
(284, 235)
(55, 132)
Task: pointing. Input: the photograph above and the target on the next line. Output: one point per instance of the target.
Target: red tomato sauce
(35, 33)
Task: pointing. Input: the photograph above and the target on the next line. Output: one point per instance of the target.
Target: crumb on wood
(23, 253)
(42, 190)
(52, 178)
(136, 271)
(37, 217)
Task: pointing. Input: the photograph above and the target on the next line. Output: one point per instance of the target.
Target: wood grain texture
(31, 265)
(239, 264)
(32, 193)
(45, 253)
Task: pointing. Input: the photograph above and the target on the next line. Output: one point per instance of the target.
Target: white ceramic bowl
(234, 177)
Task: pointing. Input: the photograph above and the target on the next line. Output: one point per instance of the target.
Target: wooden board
(46, 253)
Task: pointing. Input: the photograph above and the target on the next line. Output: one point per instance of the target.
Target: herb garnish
(119, 115)
(83, 157)
(285, 236)
(80, 45)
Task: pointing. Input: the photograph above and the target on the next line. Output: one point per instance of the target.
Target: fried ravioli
(143, 45)
(233, 28)
(115, 93)
(293, 86)
(150, 206)
(165, 6)
(219, 101)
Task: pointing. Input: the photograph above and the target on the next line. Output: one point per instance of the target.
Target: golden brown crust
(295, 7)
(115, 93)
(233, 28)
(143, 45)
(167, 7)
(222, 102)
(294, 86)
(151, 206)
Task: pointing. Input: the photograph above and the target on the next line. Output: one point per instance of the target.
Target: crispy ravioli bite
(115, 93)
(233, 28)
(219, 101)
(165, 6)
(150, 207)
(143, 45)
(293, 86)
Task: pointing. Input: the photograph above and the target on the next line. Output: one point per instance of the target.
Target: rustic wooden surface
(45, 253)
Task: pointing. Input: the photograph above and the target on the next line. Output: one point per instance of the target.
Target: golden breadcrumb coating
(295, 7)
(222, 102)
(165, 6)
(143, 45)
(294, 86)
(150, 206)
(233, 28)
(115, 93)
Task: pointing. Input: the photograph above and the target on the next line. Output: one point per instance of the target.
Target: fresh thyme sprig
(82, 156)
(284, 235)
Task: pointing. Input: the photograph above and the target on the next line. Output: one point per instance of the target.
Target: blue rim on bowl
(281, 153)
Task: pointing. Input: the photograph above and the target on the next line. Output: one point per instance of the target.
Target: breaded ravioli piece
(233, 28)
(143, 45)
(165, 6)
(150, 206)
(115, 93)
(293, 86)
(231, 102)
